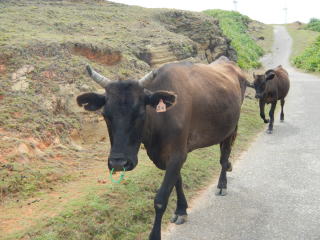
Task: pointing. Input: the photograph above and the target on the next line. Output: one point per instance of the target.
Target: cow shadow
(284, 130)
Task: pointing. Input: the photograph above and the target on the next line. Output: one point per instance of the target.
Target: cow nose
(117, 163)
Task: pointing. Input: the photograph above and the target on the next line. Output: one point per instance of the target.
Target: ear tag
(161, 107)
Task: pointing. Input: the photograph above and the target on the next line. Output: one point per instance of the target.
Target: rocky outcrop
(20, 79)
(208, 41)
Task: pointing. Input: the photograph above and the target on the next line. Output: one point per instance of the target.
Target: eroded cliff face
(208, 42)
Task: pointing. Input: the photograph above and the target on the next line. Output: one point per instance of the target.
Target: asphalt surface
(274, 189)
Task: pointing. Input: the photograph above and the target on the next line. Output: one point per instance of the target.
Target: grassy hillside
(44, 47)
(305, 49)
(47, 141)
(235, 26)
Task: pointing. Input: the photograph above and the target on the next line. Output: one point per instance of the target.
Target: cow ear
(270, 74)
(91, 101)
(154, 98)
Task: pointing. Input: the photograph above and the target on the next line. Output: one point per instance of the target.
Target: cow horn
(98, 78)
(147, 78)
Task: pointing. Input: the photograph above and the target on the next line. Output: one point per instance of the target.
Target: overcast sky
(267, 11)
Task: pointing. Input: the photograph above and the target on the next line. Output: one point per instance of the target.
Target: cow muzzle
(258, 96)
(119, 162)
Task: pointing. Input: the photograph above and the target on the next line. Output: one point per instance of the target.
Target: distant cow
(197, 106)
(271, 87)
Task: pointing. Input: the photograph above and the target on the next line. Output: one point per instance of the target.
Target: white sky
(267, 11)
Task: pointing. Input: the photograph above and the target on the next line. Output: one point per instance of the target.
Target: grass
(302, 38)
(262, 34)
(125, 211)
(235, 26)
(306, 47)
(24, 181)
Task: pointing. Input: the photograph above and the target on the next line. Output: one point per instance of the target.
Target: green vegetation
(125, 211)
(314, 25)
(310, 58)
(301, 37)
(262, 34)
(235, 26)
(306, 47)
(24, 181)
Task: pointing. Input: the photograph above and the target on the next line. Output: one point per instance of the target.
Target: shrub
(314, 25)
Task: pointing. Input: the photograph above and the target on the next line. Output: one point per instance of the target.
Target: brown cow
(202, 109)
(271, 87)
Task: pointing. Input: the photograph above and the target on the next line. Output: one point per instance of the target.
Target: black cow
(199, 106)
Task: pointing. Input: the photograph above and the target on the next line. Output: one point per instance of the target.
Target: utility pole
(235, 4)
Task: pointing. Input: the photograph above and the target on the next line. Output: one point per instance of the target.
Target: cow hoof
(282, 120)
(221, 192)
(269, 131)
(174, 218)
(229, 169)
(179, 219)
(266, 121)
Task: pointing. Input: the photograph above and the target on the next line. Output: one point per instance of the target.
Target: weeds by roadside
(306, 47)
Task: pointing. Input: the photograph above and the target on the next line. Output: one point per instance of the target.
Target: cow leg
(180, 215)
(282, 114)
(225, 150)
(262, 115)
(271, 115)
(161, 199)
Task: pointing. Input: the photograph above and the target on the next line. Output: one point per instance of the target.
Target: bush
(235, 26)
(314, 25)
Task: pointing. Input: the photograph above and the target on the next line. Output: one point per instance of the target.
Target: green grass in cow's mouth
(125, 211)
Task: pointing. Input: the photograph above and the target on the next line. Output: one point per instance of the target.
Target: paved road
(274, 189)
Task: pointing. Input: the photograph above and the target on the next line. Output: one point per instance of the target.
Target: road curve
(274, 189)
